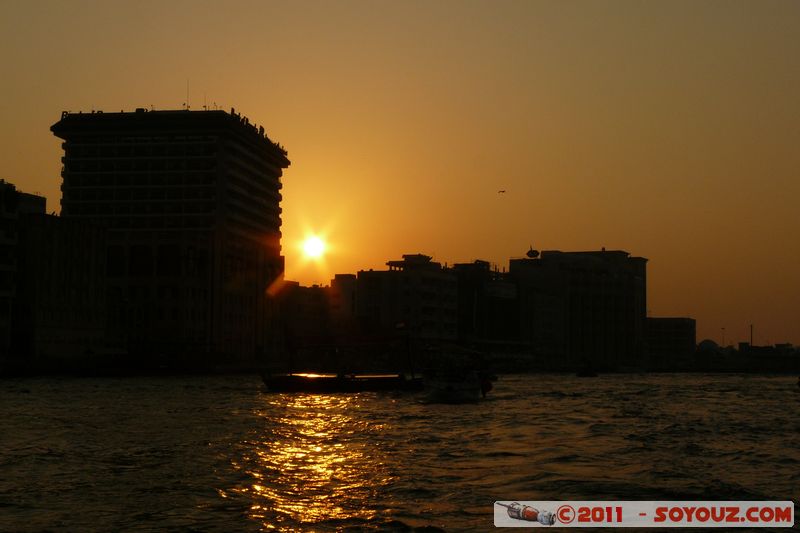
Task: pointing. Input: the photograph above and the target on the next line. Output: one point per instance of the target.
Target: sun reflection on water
(312, 462)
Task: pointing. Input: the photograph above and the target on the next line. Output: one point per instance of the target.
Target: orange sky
(667, 129)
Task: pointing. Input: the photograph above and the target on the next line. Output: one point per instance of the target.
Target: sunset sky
(668, 129)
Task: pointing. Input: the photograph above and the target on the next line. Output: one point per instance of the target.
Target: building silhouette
(305, 312)
(343, 292)
(60, 306)
(415, 294)
(557, 311)
(191, 204)
(487, 306)
(579, 309)
(9, 215)
(14, 206)
(671, 342)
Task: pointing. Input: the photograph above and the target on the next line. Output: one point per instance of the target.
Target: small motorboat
(586, 370)
(333, 383)
(462, 387)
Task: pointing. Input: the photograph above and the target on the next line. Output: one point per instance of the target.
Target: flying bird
(501, 191)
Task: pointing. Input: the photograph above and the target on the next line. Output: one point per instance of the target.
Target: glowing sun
(313, 247)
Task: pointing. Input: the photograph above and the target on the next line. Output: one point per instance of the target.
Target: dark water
(218, 454)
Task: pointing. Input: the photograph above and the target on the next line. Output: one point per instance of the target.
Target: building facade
(191, 204)
(487, 306)
(60, 305)
(416, 295)
(14, 205)
(343, 292)
(9, 214)
(579, 309)
(671, 343)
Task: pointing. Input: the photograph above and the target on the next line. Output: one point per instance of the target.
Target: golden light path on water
(313, 462)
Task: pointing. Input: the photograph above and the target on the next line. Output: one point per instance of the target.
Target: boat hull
(453, 389)
(335, 384)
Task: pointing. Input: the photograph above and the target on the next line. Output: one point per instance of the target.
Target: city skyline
(665, 130)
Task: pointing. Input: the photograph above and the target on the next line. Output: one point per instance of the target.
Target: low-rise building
(671, 343)
(9, 213)
(14, 205)
(487, 305)
(416, 295)
(60, 303)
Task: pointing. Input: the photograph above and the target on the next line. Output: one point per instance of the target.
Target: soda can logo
(527, 513)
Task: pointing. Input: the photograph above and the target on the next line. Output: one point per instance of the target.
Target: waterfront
(218, 454)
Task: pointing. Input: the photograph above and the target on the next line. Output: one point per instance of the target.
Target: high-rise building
(191, 204)
(579, 309)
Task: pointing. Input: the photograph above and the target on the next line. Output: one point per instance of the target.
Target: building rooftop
(146, 120)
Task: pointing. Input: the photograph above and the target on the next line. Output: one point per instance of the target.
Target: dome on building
(707, 345)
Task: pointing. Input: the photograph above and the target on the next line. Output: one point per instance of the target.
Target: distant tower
(191, 201)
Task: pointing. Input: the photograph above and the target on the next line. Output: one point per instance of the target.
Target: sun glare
(313, 247)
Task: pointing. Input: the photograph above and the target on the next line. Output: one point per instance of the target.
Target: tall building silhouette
(14, 205)
(583, 308)
(191, 204)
